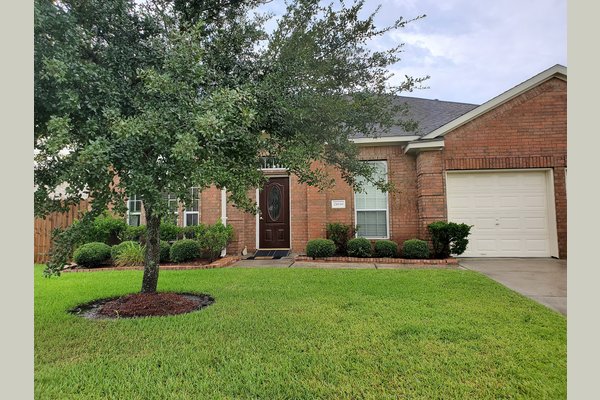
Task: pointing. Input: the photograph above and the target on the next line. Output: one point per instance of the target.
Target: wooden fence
(43, 227)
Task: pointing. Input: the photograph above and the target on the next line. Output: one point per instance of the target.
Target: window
(173, 206)
(134, 211)
(192, 214)
(372, 207)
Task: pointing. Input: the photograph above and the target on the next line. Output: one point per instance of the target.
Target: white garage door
(509, 212)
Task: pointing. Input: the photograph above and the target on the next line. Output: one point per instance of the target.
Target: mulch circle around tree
(143, 305)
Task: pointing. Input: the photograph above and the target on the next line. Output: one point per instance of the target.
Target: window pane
(191, 219)
(371, 223)
(134, 220)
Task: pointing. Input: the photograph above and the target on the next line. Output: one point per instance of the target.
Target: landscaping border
(381, 260)
(220, 263)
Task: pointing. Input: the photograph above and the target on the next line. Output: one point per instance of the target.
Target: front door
(274, 219)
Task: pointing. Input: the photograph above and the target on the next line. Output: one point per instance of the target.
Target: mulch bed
(381, 260)
(143, 305)
(195, 264)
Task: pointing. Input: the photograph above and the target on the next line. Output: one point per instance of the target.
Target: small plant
(213, 239)
(92, 254)
(415, 248)
(118, 248)
(165, 251)
(386, 248)
(184, 250)
(130, 255)
(359, 247)
(449, 238)
(340, 234)
(320, 248)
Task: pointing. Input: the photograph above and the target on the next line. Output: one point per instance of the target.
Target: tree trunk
(152, 257)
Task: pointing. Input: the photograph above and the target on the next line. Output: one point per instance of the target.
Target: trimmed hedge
(386, 248)
(184, 250)
(415, 248)
(165, 251)
(320, 248)
(92, 254)
(213, 239)
(359, 247)
(170, 231)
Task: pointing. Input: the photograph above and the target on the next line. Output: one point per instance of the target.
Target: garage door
(509, 212)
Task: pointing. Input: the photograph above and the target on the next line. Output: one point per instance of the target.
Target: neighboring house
(500, 167)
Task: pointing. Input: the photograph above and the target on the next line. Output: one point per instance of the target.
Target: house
(500, 166)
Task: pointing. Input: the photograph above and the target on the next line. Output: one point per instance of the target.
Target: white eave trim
(557, 71)
(424, 146)
(384, 140)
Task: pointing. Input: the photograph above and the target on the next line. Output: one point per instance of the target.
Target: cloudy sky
(472, 50)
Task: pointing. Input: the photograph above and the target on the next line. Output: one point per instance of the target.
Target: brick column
(431, 197)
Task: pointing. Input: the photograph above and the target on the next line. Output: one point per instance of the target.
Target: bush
(118, 248)
(415, 248)
(448, 238)
(135, 233)
(184, 250)
(193, 232)
(320, 248)
(92, 254)
(340, 234)
(213, 239)
(165, 251)
(359, 247)
(105, 228)
(386, 248)
(170, 231)
(130, 254)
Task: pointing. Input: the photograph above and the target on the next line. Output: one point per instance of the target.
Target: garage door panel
(508, 211)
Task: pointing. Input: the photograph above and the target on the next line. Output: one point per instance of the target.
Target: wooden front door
(274, 219)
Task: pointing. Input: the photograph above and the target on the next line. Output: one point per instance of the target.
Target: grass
(301, 334)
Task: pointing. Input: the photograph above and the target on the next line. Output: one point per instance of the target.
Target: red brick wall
(529, 131)
(526, 132)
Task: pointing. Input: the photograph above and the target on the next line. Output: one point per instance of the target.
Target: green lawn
(302, 334)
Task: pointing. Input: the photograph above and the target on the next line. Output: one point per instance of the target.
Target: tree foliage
(156, 97)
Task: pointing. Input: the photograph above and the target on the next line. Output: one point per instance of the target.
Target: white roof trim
(383, 140)
(424, 146)
(557, 71)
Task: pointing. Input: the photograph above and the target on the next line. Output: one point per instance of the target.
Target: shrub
(131, 254)
(386, 248)
(359, 247)
(165, 251)
(118, 248)
(105, 228)
(170, 231)
(184, 250)
(193, 232)
(320, 248)
(340, 234)
(448, 238)
(135, 233)
(213, 239)
(415, 248)
(92, 254)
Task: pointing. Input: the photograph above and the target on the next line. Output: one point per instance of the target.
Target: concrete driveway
(541, 279)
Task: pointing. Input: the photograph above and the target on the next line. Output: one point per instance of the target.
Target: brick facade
(528, 131)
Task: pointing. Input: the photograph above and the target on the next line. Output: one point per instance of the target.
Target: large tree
(160, 96)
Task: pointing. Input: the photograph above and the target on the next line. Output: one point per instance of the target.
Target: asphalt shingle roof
(429, 114)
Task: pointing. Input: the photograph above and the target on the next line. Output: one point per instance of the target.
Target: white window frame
(186, 212)
(169, 198)
(131, 198)
(387, 209)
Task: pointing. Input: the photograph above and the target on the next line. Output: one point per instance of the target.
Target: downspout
(224, 215)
